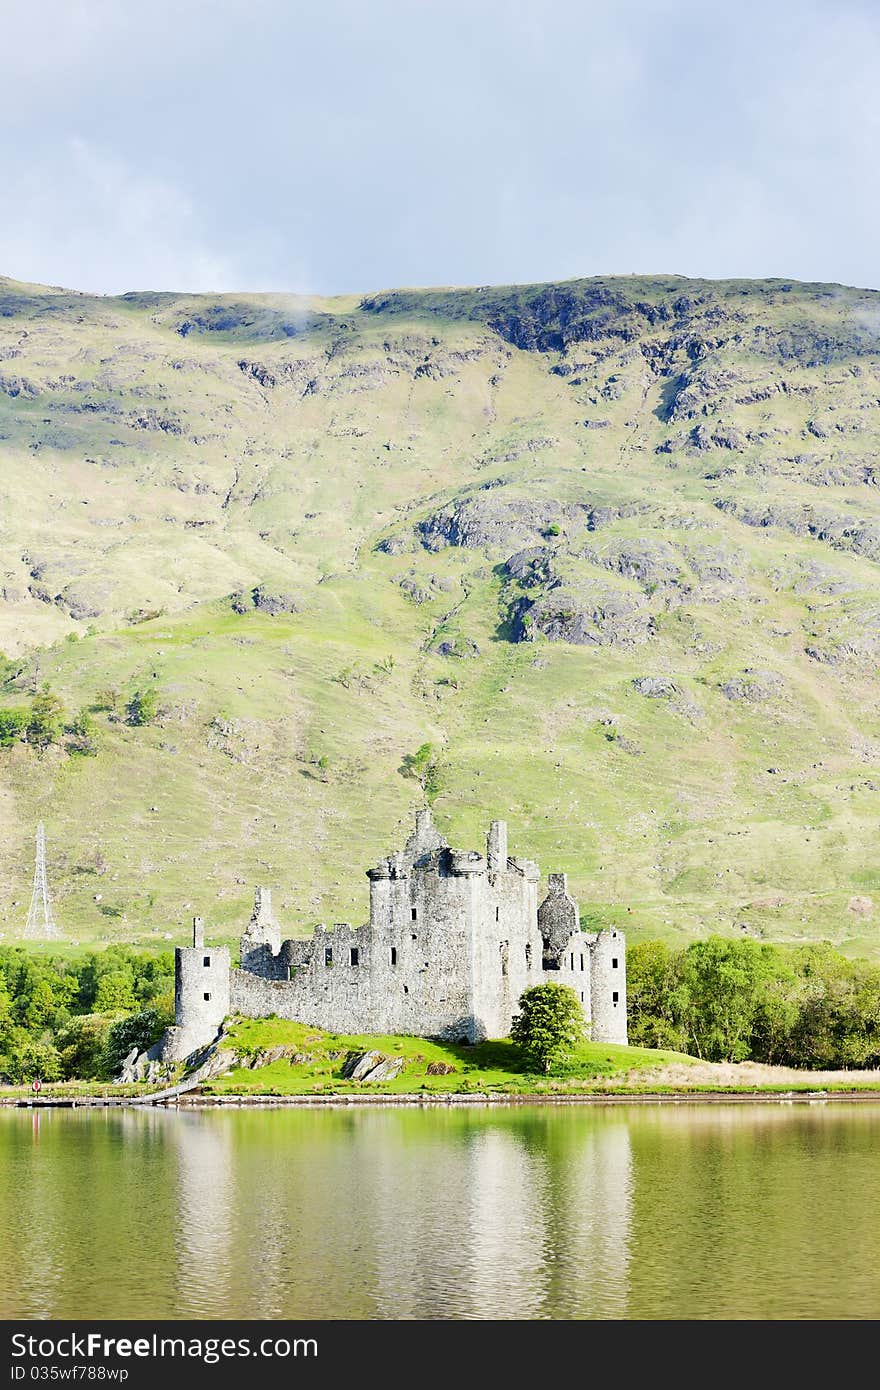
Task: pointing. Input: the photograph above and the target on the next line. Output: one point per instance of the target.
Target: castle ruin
(453, 939)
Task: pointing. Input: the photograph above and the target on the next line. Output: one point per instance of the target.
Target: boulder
(370, 1066)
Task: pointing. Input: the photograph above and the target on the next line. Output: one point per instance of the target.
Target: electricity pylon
(41, 924)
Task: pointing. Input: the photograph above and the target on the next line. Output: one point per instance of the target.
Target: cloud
(81, 217)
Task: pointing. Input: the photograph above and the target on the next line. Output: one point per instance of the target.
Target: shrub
(45, 720)
(12, 724)
(143, 707)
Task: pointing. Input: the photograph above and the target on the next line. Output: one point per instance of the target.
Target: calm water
(643, 1212)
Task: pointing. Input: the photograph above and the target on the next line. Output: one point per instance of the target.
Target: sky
(353, 145)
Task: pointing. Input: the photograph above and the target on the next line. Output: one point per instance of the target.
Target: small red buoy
(36, 1084)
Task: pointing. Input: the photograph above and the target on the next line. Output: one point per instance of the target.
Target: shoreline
(415, 1100)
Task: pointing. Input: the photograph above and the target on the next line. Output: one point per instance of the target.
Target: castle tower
(608, 987)
(201, 993)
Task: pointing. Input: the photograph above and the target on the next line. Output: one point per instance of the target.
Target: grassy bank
(493, 1068)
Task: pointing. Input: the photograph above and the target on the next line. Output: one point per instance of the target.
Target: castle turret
(201, 995)
(608, 987)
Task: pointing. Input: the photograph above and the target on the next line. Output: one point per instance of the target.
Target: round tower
(201, 992)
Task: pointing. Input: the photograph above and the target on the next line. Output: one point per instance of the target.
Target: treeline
(63, 1017)
(44, 721)
(732, 1001)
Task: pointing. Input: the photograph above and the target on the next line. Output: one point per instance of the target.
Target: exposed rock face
(754, 687)
(652, 563)
(655, 687)
(370, 1066)
(532, 566)
(859, 534)
(487, 521)
(593, 614)
(265, 600)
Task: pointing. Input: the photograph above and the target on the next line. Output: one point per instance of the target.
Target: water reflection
(533, 1213)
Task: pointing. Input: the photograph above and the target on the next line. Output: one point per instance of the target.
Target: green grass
(496, 1066)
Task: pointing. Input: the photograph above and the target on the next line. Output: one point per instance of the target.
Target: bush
(83, 735)
(143, 706)
(45, 720)
(12, 725)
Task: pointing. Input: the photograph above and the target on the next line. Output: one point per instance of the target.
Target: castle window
(207, 960)
(582, 996)
(415, 913)
(582, 962)
(572, 960)
(207, 998)
(614, 962)
(497, 912)
(393, 955)
(406, 989)
(615, 996)
(528, 954)
(328, 955)
(355, 955)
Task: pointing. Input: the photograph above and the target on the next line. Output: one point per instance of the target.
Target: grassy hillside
(609, 548)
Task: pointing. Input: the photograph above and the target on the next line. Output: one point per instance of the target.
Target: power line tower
(41, 924)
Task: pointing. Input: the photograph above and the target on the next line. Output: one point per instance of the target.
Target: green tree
(656, 998)
(45, 720)
(139, 1030)
(115, 992)
(26, 1057)
(83, 734)
(423, 766)
(81, 1044)
(550, 1022)
(12, 726)
(143, 706)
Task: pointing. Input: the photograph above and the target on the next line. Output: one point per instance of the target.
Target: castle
(454, 938)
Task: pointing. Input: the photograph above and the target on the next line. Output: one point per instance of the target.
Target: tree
(143, 706)
(81, 1045)
(550, 1022)
(83, 734)
(45, 720)
(115, 992)
(12, 724)
(138, 1030)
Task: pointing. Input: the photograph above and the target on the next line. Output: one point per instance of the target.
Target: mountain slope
(609, 547)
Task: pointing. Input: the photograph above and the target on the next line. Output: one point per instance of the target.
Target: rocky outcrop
(591, 614)
(655, 687)
(371, 1066)
(489, 522)
(754, 687)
